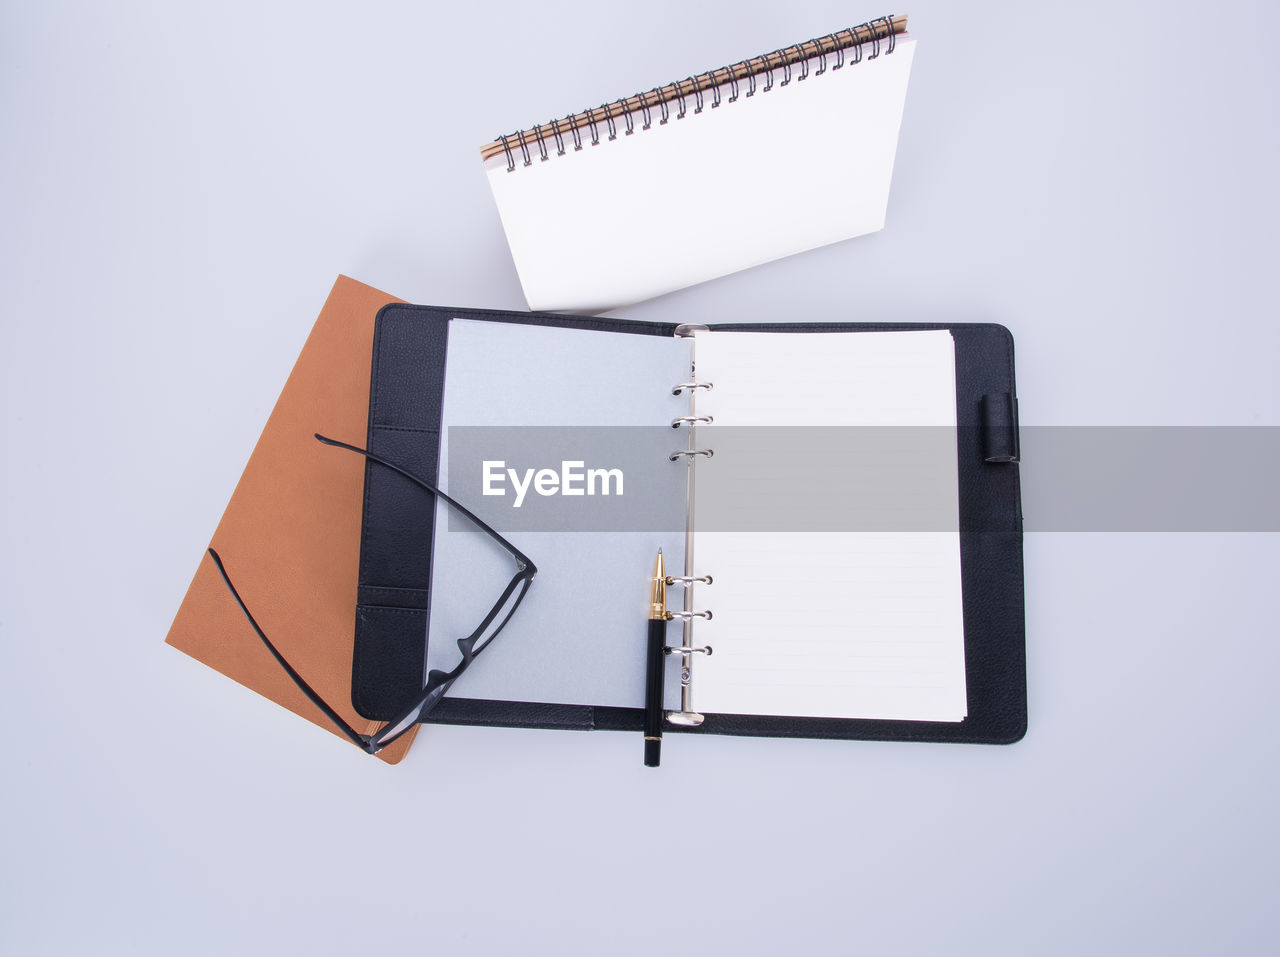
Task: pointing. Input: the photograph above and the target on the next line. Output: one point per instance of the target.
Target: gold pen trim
(658, 595)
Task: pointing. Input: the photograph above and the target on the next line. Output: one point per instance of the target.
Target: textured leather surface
(405, 396)
(990, 543)
(290, 535)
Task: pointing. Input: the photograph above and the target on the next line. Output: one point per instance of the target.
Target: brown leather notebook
(290, 536)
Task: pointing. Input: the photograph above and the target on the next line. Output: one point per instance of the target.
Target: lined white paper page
(747, 182)
(839, 624)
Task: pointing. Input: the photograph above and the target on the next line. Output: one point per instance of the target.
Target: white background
(179, 190)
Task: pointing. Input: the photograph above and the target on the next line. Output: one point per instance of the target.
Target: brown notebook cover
(290, 536)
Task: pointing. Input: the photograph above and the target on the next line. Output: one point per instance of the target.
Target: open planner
(702, 177)
(838, 506)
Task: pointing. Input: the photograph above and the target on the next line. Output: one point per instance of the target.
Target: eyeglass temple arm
(484, 526)
(438, 681)
(361, 741)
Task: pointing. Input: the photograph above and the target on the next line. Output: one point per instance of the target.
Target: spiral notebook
(702, 177)
(816, 627)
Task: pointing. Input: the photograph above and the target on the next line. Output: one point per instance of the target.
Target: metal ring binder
(686, 615)
(880, 34)
(686, 716)
(690, 419)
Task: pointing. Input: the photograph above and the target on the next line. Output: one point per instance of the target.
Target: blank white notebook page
(799, 166)
(840, 623)
(579, 637)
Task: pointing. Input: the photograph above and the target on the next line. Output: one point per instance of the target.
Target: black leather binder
(406, 402)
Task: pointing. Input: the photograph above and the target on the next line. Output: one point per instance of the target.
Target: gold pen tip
(658, 595)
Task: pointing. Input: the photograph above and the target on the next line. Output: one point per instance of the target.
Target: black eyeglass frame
(438, 682)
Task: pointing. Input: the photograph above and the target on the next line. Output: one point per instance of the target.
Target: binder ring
(608, 121)
(555, 131)
(577, 133)
(691, 453)
(786, 63)
(691, 419)
(688, 615)
(715, 88)
(697, 94)
(644, 111)
(888, 26)
(855, 45)
(542, 143)
(692, 385)
(853, 39)
(678, 650)
(804, 64)
(688, 579)
(506, 148)
(524, 148)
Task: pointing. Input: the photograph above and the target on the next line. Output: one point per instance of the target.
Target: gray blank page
(580, 635)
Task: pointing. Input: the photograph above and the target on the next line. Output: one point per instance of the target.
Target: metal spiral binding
(793, 62)
(687, 716)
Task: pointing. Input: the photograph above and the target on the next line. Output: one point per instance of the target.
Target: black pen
(657, 666)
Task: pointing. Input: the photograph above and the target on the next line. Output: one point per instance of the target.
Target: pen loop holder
(690, 454)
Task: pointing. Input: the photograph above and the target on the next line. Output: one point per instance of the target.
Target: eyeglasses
(438, 681)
